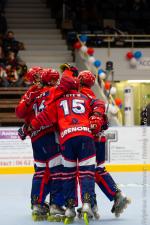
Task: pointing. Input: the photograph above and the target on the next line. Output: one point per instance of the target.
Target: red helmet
(87, 78)
(49, 76)
(34, 73)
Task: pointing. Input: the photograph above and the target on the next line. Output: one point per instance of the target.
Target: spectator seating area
(12, 67)
(9, 99)
(102, 17)
(86, 17)
(132, 16)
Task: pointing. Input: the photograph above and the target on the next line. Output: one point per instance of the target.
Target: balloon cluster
(81, 45)
(133, 57)
(88, 52)
(109, 89)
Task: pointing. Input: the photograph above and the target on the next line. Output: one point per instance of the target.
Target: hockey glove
(23, 131)
(75, 71)
(96, 124)
(106, 122)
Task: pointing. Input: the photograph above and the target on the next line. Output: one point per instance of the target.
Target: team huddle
(66, 124)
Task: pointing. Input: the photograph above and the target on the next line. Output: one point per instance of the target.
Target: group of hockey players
(66, 124)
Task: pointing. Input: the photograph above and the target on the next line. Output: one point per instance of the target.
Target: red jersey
(97, 105)
(71, 112)
(29, 112)
(22, 108)
(89, 93)
(38, 106)
(42, 97)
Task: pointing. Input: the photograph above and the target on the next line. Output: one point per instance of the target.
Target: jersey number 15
(76, 106)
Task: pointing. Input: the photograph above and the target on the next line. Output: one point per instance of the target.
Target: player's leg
(69, 161)
(51, 152)
(86, 158)
(103, 178)
(107, 183)
(56, 190)
(43, 148)
(39, 191)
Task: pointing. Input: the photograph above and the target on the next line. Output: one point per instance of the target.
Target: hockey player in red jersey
(103, 178)
(33, 76)
(71, 112)
(46, 151)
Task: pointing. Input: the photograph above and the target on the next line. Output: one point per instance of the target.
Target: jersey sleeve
(46, 118)
(22, 108)
(98, 107)
(66, 83)
(88, 92)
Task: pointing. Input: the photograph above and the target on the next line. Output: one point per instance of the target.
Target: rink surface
(15, 201)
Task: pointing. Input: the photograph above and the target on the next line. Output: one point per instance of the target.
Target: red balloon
(118, 101)
(107, 85)
(90, 51)
(77, 45)
(129, 55)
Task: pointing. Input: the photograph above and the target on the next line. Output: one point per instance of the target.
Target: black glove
(22, 132)
(106, 122)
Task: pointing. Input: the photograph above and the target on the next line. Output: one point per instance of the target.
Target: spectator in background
(3, 77)
(2, 57)
(3, 24)
(3, 74)
(15, 69)
(11, 44)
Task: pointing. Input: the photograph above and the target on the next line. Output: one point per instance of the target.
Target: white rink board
(13, 151)
(126, 145)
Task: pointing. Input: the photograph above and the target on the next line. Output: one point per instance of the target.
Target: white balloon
(113, 90)
(133, 62)
(91, 59)
(112, 109)
(83, 48)
(102, 75)
(106, 105)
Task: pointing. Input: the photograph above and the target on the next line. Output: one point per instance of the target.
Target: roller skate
(39, 212)
(70, 213)
(87, 212)
(56, 214)
(94, 210)
(120, 203)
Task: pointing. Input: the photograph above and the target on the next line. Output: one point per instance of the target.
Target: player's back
(73, 111)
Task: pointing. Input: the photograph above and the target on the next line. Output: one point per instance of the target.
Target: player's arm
(23, 106)
(97, 116)
(48, 117)
(98, 107)
(66, 83)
